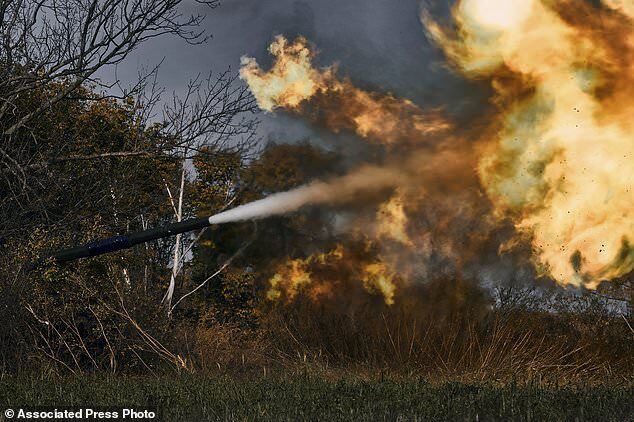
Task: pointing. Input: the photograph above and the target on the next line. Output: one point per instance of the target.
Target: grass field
(198, 398)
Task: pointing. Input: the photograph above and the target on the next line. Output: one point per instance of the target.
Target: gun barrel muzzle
(117, 243)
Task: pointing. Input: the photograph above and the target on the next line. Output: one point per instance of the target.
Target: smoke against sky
(555, 155)
(377, 43)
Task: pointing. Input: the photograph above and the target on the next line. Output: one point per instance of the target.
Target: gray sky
(380, 44)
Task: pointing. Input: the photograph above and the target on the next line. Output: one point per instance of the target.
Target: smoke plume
(295, 85)
(544, 176)
(559, 158)
(344, 189)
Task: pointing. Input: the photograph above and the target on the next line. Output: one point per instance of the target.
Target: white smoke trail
(343, 189)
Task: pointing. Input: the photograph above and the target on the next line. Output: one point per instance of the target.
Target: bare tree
(50, 54)
(178, 213)
(46, 41)
(204, 118)
(80, 159)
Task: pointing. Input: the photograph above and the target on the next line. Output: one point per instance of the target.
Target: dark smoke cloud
(380, 44)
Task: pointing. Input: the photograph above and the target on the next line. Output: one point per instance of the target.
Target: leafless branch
(46, 42)
(220, 270)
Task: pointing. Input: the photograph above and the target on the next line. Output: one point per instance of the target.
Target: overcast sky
(380, 44)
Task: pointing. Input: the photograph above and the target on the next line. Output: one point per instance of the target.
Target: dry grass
(438, 338)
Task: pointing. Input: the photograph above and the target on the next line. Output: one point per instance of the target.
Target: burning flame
(377, 277)
(315, 277)
(496, 14)
(290, 279)
(392, 221)
(557, 158)
(624, 6)
(560, 162)
(292, 82)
